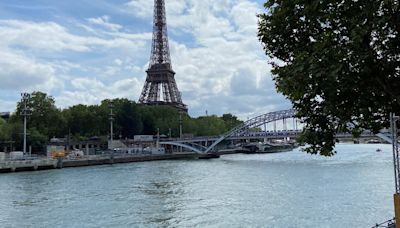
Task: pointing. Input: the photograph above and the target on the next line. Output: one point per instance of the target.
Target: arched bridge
(237, 131)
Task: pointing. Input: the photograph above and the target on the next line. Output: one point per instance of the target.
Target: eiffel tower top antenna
(160, 76)
(160, 47)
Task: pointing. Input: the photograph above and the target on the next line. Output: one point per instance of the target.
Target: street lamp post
(25, 113)
(111, 106)
(180, 129)
(180, 124)
(158, 138)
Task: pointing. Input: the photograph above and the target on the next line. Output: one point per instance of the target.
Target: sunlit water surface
(292, 189)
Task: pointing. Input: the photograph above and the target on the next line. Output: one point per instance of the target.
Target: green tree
(45, 117)
(189, 125)
(4, 136)
(231, 121)
(127, 118)
(12, 132)
(210, 125)
(36, 140)
(162, 118)
(337, 61)
(148, 122)
(84, 121)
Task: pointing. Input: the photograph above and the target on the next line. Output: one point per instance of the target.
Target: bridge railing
(253, 123)
(388, 224)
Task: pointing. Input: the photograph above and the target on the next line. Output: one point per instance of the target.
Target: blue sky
(89, 50)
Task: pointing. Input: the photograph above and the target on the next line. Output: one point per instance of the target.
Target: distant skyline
(90, 50)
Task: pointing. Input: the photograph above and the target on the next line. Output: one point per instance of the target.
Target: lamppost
(111, 106)
(180, 124)
(26, 111)
(158, 138)
(180, 129)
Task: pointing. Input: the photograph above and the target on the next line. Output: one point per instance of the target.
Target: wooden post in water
(396, 198)
(396, 166)
(60, 164)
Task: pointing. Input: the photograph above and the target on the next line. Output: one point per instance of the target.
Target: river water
(291, 189)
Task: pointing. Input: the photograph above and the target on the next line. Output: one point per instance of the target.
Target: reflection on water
(352, 189)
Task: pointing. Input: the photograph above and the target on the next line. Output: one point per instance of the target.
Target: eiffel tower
(160, 79)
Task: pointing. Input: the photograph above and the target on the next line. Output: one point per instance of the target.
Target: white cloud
(140, 8)
(22, 73)
(92, 91)
(7, 105)
(104, 21)
(36, 36)
(118, 62)
(31, 59)
(244, 16)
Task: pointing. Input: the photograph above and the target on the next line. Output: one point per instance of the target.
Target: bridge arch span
(238, 130)
(253, 123)
(182, 145)
(261, 120)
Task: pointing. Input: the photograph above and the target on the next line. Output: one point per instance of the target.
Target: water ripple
(352, 189)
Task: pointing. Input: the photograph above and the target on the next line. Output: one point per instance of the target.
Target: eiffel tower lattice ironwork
(160, 87)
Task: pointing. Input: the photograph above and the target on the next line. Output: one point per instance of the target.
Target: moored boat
(209, 156)
(260, 148)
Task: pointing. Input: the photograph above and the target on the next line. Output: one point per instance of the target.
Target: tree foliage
(230, 120)
(10, 132)
(3, 133)
(83, 121)
(45, 117)
(161, 118)
(127, 118)
(337, 61)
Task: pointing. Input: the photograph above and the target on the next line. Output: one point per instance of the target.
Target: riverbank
(37, 164)
(94, 160)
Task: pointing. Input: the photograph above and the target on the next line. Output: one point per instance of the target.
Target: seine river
(292, 189)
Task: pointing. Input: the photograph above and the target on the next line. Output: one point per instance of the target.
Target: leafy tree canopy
(210, 125)
(162, 118)
(45, 117)
(3, 133)
(231, 121)
(337, 61)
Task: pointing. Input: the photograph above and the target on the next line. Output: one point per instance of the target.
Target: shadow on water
(163, 192)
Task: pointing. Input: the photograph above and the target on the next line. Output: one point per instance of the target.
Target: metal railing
(388, 224)
(8, 158)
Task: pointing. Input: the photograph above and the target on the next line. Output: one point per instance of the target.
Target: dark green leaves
(337, 61)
